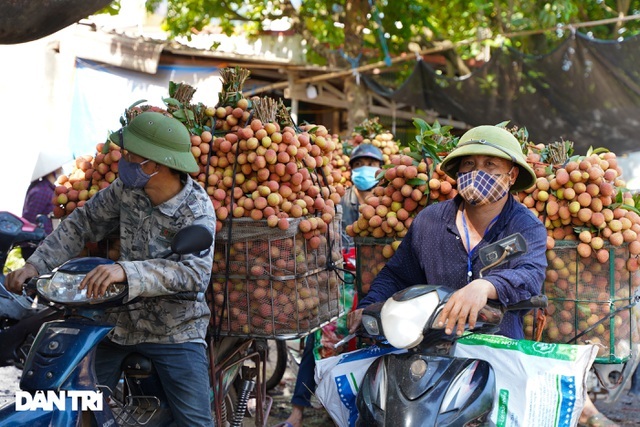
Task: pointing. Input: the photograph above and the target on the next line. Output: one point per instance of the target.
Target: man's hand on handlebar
(16, 280)
(98, 280)
(464, 304)
(354, 318)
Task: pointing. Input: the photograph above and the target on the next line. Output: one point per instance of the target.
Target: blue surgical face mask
(132, 175)
(364, 177)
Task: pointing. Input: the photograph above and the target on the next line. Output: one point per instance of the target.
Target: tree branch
(299, 27)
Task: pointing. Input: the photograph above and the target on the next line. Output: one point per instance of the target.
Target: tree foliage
(346, 32)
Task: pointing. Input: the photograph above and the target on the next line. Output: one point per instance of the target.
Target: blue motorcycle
(59, 386)
(20, 316)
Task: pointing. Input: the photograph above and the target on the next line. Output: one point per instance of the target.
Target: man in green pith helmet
(488, 164)
(152, 199)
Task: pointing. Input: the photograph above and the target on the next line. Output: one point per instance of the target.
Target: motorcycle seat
(137, 366)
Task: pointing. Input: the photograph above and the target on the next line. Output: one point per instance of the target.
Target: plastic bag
(333, 332)
(338, 380)
(537, 384)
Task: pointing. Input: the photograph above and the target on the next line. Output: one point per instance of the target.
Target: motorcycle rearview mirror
(191, 239)
(502, 251)
(41, 220)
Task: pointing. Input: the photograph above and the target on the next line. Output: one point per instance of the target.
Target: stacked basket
(269, 282)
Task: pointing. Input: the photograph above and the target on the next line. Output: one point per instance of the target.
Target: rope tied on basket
(540, 323)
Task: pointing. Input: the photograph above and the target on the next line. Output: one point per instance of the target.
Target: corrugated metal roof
(144, 53)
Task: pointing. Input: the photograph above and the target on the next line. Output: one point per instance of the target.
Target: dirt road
(10, 377)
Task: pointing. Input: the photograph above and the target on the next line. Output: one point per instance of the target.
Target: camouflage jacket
(145, 233)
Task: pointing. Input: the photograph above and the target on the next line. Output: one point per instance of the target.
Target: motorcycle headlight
(403, 322)
(370, 324)
(63, 288)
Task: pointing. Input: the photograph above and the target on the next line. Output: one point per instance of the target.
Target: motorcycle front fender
(60, 348)
(414, 389)
(14, 336)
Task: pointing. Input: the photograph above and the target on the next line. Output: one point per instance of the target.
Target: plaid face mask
(480, 188)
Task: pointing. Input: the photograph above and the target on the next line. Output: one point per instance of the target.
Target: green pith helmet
(489, 140)
(157, 137)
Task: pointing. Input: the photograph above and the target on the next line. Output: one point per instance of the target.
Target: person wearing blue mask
(153, 198)
(365, 163)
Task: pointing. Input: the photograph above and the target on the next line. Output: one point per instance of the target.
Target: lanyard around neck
(470, 251)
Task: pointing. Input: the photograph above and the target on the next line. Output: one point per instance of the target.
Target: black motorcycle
(20, 315)
(426, 386)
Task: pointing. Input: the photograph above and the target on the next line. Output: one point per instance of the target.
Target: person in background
(38, 201)
(153, 198)
(365, 163)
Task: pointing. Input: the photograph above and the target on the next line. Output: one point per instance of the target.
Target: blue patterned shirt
(432, 252)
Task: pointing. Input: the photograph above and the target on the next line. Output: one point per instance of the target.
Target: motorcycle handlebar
(36, 235)
(30, 287)
(185, 296)
(538, 301)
